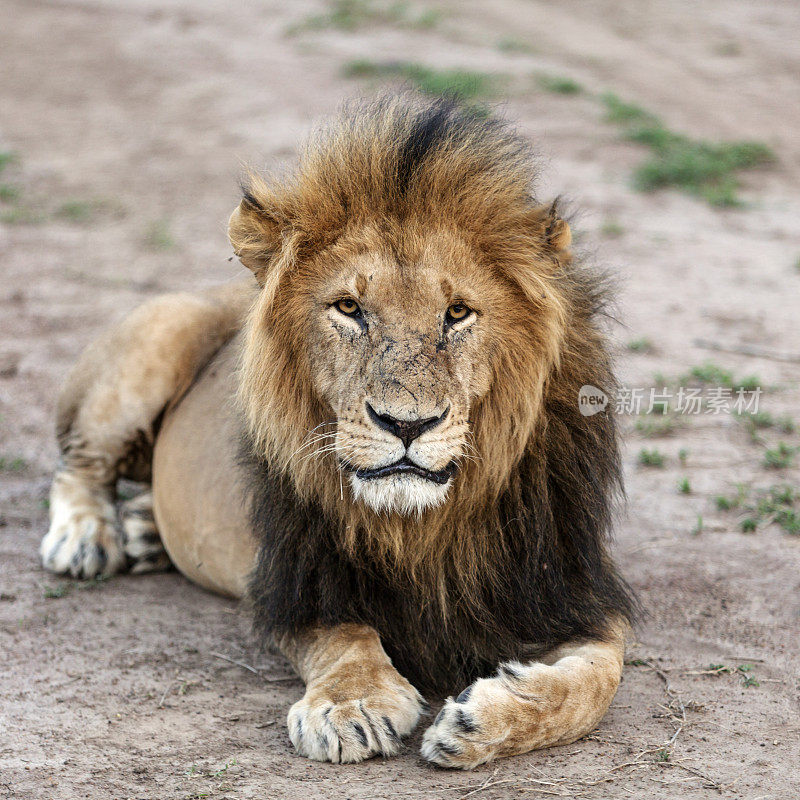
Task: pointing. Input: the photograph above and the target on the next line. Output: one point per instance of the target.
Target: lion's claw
(352, 730)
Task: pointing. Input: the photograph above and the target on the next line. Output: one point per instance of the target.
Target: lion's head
(413, 307)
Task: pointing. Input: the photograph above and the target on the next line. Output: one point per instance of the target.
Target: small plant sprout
(58, 591)
(158, 236)
(747, 679)
(75, 211)
(350, 15)
(658, 426)
(698, 526)
(511, 44)
(651, 458)
(558, 85)
(220, 772)
(719, 669)
(779, 457)
(643, 345)
(706, 169)
(612, 229)
(467, 84)
(684, 487)
(12, 464)
(724, 503)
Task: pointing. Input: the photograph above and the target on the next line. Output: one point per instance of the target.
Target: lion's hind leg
(140, 539)
(107, 420)
(90, 536)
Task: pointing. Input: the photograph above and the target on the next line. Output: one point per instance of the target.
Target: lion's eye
(458, 311)
(348, 307)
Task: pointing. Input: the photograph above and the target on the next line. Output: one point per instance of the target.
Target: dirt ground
(130, 120)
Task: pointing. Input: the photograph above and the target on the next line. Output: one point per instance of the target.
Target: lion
(377, 442)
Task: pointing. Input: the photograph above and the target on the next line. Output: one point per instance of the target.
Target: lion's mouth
(404, 466)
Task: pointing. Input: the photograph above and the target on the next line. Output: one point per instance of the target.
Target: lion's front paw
(83, 541)
(327, 727)
(526, 706)
(471, 729)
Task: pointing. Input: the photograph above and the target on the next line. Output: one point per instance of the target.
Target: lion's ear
(255, 235)
(556, 230)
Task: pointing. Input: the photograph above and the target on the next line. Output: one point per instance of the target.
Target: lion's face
(399, 346)
(415, 301)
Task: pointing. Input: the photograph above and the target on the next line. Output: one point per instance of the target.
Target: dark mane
(554, 583)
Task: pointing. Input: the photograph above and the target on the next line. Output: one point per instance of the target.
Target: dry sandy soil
(130, 120)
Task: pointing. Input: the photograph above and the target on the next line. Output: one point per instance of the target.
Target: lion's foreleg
(356, 704)
(528, 706)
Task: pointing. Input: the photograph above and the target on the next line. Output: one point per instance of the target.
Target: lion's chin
(400, 494)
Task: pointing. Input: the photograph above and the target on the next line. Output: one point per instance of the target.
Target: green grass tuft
(76, 211)
(350, 15)
(58, 591)
(558, 85)
(712, 374)
(651, 458)
(612, 229)
(20, 215)
(725, 503)
(466, 84)
(643, 345)
(779, 457)
(157, 236)
(620, 112)
(8, 193)
(510, 44)
(748, 525)
(656, 426)
(704, 169)
(684, 487)
(14, 464)
(779, 504)
(761, 420)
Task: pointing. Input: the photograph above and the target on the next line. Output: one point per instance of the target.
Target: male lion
(405, 489)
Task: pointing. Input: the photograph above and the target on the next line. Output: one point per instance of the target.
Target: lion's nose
(405, 429)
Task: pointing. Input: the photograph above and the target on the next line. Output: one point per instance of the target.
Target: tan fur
(105, 416)
(302, 387)
(356, 704)
(529, 706)
(198, 502)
